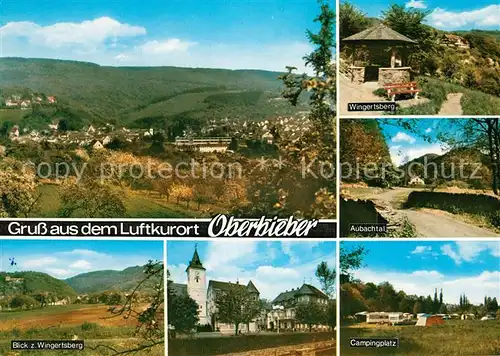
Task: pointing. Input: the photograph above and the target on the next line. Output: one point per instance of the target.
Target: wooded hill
(130, 95)
(98, 281)
(465, 159)
(31, 282)
(108, 280)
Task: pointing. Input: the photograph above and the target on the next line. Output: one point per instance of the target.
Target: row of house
(281, 317)
(15, 101)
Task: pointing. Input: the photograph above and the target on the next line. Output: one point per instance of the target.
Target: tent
(428, 320)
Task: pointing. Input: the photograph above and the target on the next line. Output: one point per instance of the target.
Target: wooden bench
(402, 88)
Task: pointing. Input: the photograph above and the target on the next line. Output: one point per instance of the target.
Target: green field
(67, 323)
(457, 337)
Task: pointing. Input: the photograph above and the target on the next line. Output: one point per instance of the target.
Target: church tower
(197, 285)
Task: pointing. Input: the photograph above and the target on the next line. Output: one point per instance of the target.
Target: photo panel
(251, 297)
(420, 177)
(425, 294)
(137, 121)
(82, 297)
(418, 58)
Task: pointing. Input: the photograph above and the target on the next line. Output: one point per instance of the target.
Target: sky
(63, 259)
(236, 34)
(403, 143)
(444, 15)
(418, 267)
(273, 266)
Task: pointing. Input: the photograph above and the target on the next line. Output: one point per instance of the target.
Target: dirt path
(431, 222)
(355, 93)
(451, 105)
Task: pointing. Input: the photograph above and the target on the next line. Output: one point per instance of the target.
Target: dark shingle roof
(196, 261)
(251, 287)
(179, 289)
(378, 32)
(306, 289)
(226, 285)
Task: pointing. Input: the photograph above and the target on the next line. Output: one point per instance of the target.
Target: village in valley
(98, 136)
(292, 315)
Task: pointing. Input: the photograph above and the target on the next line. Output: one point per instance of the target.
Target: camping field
(456, 337)
(90, 323)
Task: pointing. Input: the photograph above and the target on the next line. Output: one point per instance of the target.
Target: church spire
(196, 261)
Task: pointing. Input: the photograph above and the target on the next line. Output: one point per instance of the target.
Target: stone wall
(295, 350)
(393, 75)
(358, 75)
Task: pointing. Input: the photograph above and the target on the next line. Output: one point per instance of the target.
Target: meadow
(455, 337)
(139, 204)
(90, 323)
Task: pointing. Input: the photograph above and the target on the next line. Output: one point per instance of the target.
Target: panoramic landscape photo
(107, 294)
(251, 298)
(429, 57)
(437, 298)
(420, 177)
(170, 110)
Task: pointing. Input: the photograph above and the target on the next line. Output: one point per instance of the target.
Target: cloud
(38, 262)
(417, 4)
(468, 251)
(423, 282)
(399, 154)
(428, 130)
(64, 264)
(270, 272)
(488, 16)
(166, 46)
(81, 264)
(421, 249)
(403, 137)
(90, 33)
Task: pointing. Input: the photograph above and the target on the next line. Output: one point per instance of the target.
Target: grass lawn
(473, 102)
(457, 337)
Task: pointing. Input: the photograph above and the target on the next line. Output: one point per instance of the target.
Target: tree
(326, 277)
(418, 307)
(235, 305)
(91, 199)
(233, 146)
(22, 302)
(18, 197)
(351, 20)
(350, 260)
(286, 190)
(311, 313)
(150, 329)
(182, 310)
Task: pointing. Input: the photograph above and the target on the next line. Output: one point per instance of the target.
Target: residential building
(282, 317)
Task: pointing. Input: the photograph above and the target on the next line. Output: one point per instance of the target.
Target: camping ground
(455, 337)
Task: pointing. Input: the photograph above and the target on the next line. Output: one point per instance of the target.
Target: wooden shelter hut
(378, 39)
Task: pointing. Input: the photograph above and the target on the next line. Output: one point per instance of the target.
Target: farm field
(85, 322)
(457, 337)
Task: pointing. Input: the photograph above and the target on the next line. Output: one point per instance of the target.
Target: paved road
(431, 222)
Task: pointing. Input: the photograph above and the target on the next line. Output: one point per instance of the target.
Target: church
(205, 297)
